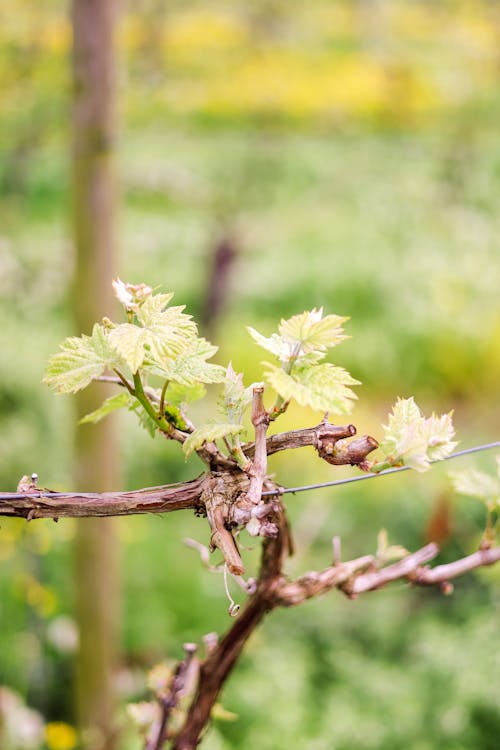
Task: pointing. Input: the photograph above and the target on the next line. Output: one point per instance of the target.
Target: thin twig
(179, 684)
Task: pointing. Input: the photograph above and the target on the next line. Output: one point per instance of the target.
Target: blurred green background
(347, 153)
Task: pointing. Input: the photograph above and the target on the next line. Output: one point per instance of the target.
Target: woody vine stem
(230, 496)
(235, 492)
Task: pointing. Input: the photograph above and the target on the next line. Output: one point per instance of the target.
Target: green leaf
(130, 342)
(235, 397)
(109, 405)
(209, 432)
(274, 344)
(80, 361)
(415, 441)
(170, 330)
(438, 432)
(306, 334)
(477, 484)
(387, 552)
(322, 387)
(144, 418)
(191, 367)
(182, 395)
(220, 713)
(313, 332)
(163, 333)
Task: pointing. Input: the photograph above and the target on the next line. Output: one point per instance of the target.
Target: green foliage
(478, 484)
(80, 361)
(159, 334)
(108, 406)
(413, 440)
(235, 397)
(387, 552)
(209, 432)
(157, 341)
(191, 367)
(302, 342)
(308, 333)
(162, 341)
(323, 387)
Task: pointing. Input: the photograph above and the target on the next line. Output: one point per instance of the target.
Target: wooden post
(96, 460)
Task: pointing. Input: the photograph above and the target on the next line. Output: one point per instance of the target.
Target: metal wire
(362, 477)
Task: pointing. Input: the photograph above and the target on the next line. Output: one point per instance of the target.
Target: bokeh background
(342, 153)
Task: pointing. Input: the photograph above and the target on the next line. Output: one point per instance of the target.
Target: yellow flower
(60, 736)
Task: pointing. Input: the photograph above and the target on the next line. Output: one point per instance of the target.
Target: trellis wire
(337, 482)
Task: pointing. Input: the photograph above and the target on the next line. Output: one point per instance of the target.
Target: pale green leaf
(108, 406)
(191, 366)
(182, 395)
(170, 330)
(222, 714)
(439, 431)
(235, 397)
(80, 361)
(394, 552)
(274, 344)
(322, 387)
(306, 334)
(144, 419)
(382, 542)
(152, 307)
(209, 432)
(476, 484)
(312, 332)
(387, 552)
(412, 439)
(130, 342)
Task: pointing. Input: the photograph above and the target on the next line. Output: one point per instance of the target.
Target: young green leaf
(162, 332)
(304, 334)
(321, 387)
(80, 361)
(130, 342)
(182, 395)
(145, 419)
(170, 330)
(207, 433)
(191, 366)
(274, 344)
(477, 484)
(313, 332)
(109, 405)
(387, 552)
(412, 440)
(235, 397)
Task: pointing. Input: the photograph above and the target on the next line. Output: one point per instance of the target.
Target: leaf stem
(140, 395)
(161, 410)
(280, 405)
(125, 382)
(238, 455)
